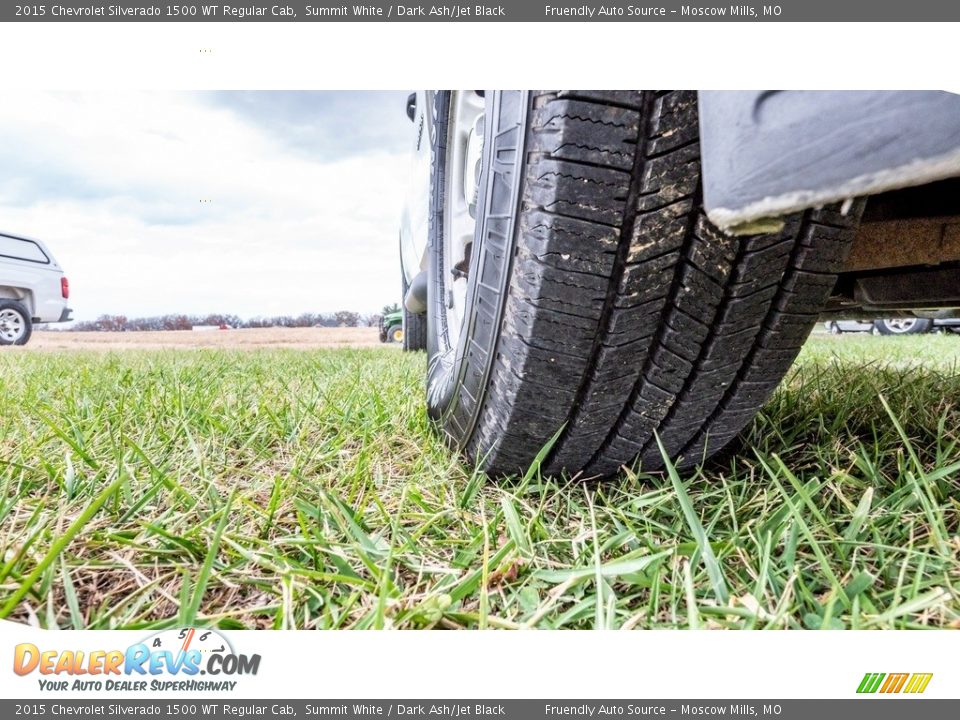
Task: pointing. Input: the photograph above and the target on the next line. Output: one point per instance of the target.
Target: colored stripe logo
(913, 683)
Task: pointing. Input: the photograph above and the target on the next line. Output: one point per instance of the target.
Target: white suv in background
(33, 288)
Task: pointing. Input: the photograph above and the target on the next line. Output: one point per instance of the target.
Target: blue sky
(304, 193)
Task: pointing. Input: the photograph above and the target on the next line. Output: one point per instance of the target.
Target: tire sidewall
(456, 362)
(27, 322)
(440, 353)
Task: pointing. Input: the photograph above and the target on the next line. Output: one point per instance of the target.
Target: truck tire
(903, 326)
(414, 326)
(16, 326)
(602, 309)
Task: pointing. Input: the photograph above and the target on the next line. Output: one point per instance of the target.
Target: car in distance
(33, 288)
(612, 278)
(894, 326)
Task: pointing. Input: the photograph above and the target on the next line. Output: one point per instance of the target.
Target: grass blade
(193, 607)
(717, 581)
(59, 545)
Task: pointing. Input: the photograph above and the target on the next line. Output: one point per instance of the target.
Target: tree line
(122, 323)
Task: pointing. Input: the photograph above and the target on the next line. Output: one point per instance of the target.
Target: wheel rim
(12, 325)
(398, 335)
(900, 325)
(464, 167)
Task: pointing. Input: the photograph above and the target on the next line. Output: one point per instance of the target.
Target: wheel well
(22, 295)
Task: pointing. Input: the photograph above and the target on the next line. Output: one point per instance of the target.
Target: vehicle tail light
(65, 288)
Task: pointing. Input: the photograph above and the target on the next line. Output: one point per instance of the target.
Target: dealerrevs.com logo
(891, 683)
(170, 660)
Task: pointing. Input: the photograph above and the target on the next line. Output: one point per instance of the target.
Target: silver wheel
(900, 325)
(903, 326)
(464, 153)
(13, 326)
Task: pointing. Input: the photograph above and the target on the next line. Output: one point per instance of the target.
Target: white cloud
(113, 183)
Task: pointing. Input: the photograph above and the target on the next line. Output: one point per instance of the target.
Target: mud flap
(768, 153)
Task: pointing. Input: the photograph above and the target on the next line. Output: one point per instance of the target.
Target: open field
(303, 338)
(302, 489)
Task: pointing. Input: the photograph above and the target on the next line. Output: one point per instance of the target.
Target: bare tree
(121, 323)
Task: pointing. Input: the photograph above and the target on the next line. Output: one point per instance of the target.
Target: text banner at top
(510, 11)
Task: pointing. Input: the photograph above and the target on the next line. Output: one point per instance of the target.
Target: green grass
(303, 489)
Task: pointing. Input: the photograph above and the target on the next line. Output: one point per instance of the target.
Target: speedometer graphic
(181, 640)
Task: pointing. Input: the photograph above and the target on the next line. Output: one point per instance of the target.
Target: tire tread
(628, 313)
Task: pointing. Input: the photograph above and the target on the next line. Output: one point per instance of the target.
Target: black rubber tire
(390, 333)
(414, 326)
(834, 329)
(21, 310)
(610, 308)
(919, 327)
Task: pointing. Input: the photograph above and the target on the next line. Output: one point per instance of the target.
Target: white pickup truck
(33, 288)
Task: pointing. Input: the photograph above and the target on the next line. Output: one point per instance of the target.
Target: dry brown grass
(253, 338)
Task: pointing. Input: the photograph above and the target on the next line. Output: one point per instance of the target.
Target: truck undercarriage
(905, 257)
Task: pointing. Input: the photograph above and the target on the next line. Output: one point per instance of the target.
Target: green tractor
(398, 325)
(391, 327)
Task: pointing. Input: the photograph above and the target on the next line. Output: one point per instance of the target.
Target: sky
(250, 203)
